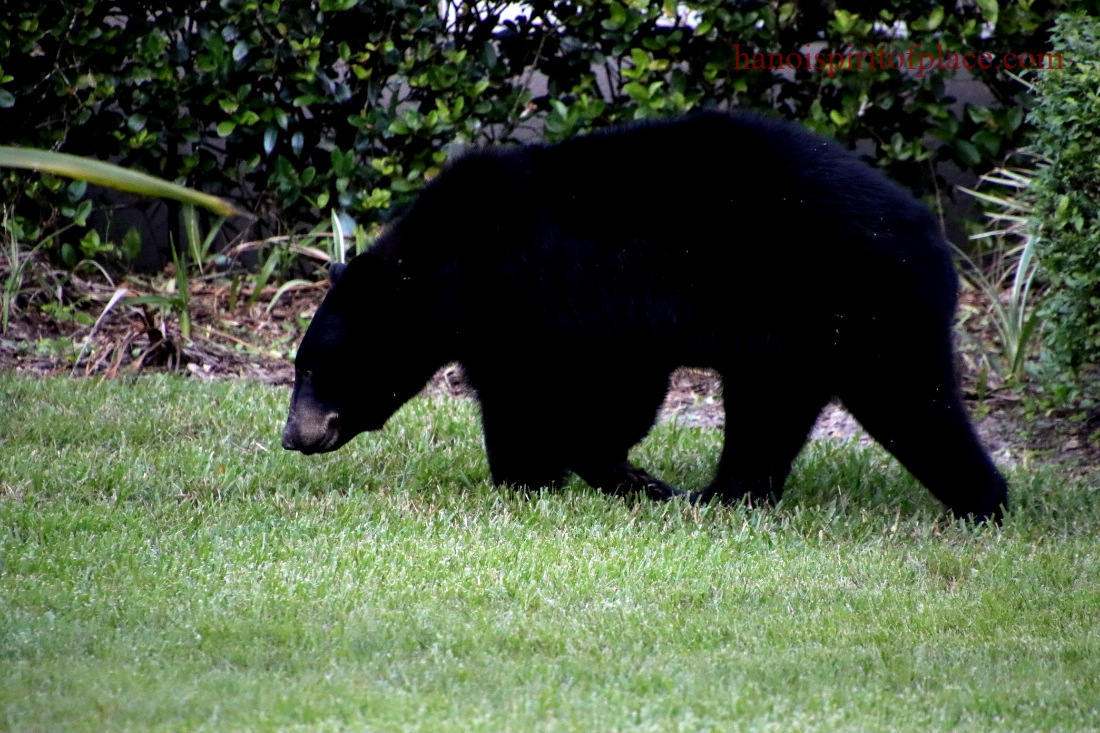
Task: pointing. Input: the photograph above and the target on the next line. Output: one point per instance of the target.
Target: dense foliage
(1067, 119)
(294, 106)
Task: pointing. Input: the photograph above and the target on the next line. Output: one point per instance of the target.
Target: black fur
(583, 273)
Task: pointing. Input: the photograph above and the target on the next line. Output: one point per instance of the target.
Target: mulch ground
(255, 342)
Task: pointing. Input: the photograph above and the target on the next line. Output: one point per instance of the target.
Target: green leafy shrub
(1067, 119)
(294, 106)
(291, 105)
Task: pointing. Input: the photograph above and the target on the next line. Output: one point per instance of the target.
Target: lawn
(166, 566)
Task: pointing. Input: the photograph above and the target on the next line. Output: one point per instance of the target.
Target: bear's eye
(309, 373)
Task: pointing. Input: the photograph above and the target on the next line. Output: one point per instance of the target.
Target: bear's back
(709, 212)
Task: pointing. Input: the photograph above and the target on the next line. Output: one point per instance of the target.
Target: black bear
(562, 276)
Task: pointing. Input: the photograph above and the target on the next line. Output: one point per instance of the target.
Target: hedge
(295, 106)
(1067, 207)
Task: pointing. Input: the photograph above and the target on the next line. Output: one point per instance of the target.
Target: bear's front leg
(520, 454)
(624, 478)
(526, 477)
(521, 467)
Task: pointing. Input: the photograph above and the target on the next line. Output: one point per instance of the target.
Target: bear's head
(360, 359)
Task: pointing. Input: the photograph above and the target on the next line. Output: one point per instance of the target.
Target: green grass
(166, 566)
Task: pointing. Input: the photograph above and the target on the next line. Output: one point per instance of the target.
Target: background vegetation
(296, 109)
(293, 106)
(311, 112)
(1066, 214)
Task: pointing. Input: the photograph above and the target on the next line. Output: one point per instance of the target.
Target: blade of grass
(200, 247)
(161, 301)
(102, 270)
(1025, 336)
(179, 258)
(191, 227)
(262, 277)
(288, 286)
(17, 266)
(337, 238)
(209, 241)
(301, 249)
(118, 295)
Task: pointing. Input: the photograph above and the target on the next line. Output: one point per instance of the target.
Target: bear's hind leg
(766, 426)
(918, 416)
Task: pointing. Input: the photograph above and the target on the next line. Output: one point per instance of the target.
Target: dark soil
(250, 342)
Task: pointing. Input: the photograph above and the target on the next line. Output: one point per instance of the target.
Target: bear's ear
(335, 272)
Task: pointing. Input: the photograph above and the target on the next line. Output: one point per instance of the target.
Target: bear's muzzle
(312, 431)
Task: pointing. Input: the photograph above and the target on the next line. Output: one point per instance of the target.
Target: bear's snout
(312, 431)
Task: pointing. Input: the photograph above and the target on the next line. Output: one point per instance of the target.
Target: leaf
(488, 54)
(343, 163)
(90, 243)
(131, 244)
(636, 91)
(987, 141)
(83, 209)
(69, 255)
(617, 19)
(7, 99)
(226, 128)
(110, 175)
(935, 18)
(968, 153)
(271, 135)
(990, 10)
